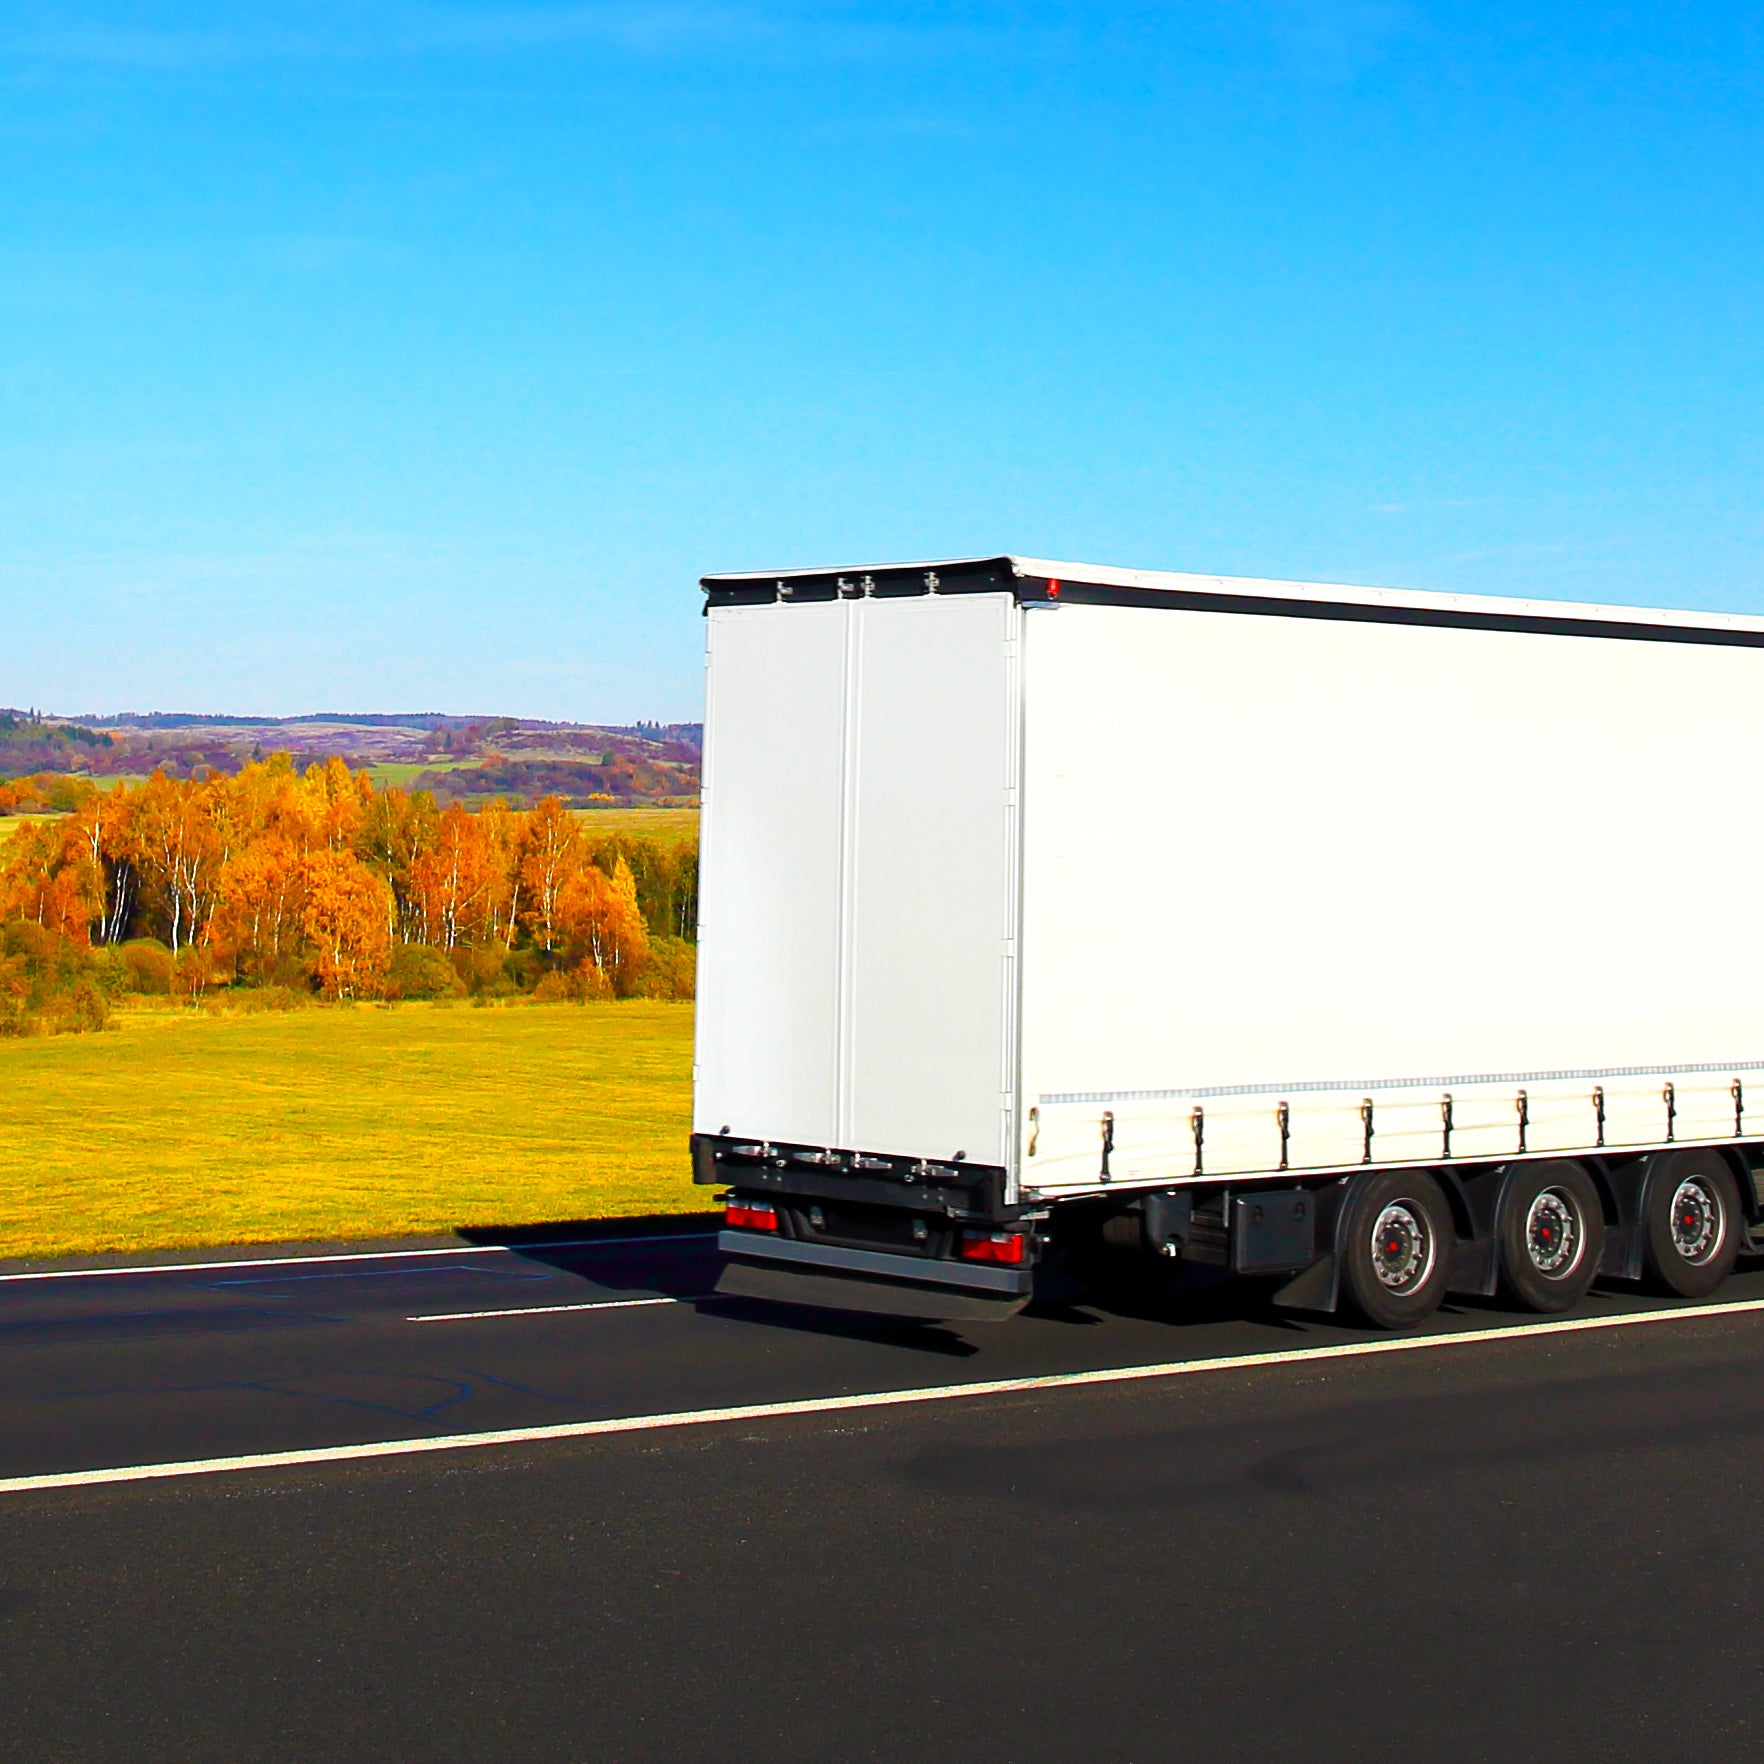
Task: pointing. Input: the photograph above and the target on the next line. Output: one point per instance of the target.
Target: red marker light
(746, 1215)
(993, 1246)
(1053, 589)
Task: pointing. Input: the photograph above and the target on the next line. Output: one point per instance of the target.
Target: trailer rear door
(856, 980)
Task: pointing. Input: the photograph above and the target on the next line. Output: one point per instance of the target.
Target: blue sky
(411, 356)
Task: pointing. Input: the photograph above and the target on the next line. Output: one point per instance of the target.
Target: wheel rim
(1554, 1233)
(1402, 1247)
(1698, 1223)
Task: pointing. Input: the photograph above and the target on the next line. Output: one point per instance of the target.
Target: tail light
(993, 1246)
(748, 1215)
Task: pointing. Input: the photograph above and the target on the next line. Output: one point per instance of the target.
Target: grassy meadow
(667, 826)
(389, 774)
(180, 1128)
(13, 824)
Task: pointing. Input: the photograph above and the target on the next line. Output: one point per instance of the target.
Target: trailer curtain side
(1306, 893)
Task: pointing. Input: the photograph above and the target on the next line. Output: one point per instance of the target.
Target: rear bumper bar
(789, 1272)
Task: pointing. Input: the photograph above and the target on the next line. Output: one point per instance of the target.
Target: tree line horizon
(316, 882)
(470, 759)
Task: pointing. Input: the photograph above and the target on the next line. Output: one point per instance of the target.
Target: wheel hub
(1696, 1221)
(1553, 1232)
(1402, 1247)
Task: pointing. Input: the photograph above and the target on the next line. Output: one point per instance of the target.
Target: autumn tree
(451, 882)
(176, 841)
(400, 827)
(74, 895)
(549, 855)
(260, 918)
(50, 880)
(104, 825)
(273, 874)
(346, 913)
(499, 831)
(338, 801)
(602, 925)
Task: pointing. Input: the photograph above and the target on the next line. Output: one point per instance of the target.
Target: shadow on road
(897, 1332)
(675, 1256)
(667, 1255)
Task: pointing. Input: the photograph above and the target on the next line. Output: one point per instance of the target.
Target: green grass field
(179, 1129)
(390, 773)
(667, 826)
(14, 824)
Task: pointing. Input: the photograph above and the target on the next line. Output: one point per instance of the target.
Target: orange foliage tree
(281, 876)
(347, 913)
(549, 855)
(604, 930)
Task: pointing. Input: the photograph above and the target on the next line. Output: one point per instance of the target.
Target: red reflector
(752, 1215)
(992, 1246)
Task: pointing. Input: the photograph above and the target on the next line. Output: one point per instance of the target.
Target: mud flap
(1315, 1288)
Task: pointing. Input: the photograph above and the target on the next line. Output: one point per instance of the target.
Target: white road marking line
(366, 1274)
(880, 1399)
(485, 1249)
(542, 1310)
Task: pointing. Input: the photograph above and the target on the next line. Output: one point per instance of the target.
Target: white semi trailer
(1394, 943)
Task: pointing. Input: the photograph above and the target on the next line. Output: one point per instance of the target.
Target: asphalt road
(1540, 1546)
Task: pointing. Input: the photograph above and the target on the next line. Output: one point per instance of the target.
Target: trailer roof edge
(1029, 578)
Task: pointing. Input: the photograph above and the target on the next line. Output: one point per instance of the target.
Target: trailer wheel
(1396, 1244)
(1551, 1232)
(1690, 1218)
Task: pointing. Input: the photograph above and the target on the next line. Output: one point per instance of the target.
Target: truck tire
(1691, 1224)
(1551, 1234)
(1395, 1243)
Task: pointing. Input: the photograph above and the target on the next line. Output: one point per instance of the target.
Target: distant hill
(457, 758)
(29, 743)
